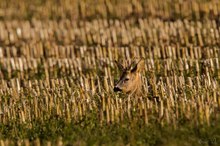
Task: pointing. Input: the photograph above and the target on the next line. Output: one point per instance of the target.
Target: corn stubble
(67, 69)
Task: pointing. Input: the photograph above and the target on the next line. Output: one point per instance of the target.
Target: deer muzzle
(117, 89)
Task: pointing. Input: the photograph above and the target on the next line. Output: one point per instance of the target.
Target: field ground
(57, 72)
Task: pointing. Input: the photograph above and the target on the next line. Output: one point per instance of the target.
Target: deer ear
(119, 65)
(139, 67)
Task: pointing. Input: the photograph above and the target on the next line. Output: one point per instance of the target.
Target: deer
(130, 81)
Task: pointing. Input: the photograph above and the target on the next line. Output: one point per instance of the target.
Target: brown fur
(130, 81)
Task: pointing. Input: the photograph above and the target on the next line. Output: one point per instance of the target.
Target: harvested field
(57, 72)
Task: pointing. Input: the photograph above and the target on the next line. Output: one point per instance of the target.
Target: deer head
(130, 80)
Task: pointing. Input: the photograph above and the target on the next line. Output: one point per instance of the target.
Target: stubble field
(57, 72)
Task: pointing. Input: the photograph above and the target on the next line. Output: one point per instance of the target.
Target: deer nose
(116, 89)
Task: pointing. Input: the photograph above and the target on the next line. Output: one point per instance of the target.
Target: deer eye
(126, 79)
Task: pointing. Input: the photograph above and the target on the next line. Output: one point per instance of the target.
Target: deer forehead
(127, 74)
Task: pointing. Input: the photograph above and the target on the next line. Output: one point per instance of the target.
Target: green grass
(89, 131)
